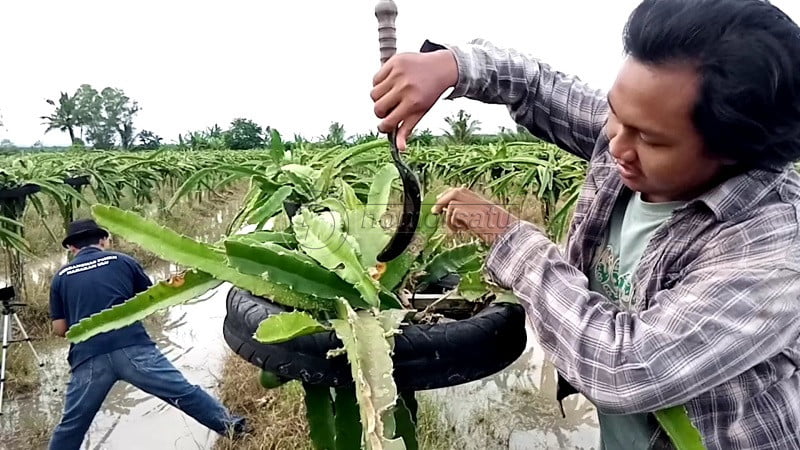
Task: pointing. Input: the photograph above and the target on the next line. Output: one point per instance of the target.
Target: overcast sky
(191, 64)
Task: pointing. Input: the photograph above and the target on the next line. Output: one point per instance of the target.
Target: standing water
(190, 336)
(516, 409)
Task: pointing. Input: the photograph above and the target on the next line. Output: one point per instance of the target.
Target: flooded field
(190, 337)
(514, 409)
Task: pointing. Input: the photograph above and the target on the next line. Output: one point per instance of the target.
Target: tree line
(104, 119)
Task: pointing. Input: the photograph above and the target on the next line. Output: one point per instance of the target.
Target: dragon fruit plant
(321, 263)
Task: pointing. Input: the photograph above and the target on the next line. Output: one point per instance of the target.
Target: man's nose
(622, 147)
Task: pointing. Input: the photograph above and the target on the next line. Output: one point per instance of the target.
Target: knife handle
(386, 12)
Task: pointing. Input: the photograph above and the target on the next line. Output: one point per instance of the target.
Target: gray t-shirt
(633, 222)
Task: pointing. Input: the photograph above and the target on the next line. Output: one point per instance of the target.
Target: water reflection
(516, 409)
(190, 337)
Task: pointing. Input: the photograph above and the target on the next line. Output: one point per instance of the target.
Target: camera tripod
(6, 295)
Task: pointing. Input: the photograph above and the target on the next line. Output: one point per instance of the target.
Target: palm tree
(521, 134)
(335, 135)
(65, 116)
(462, 128)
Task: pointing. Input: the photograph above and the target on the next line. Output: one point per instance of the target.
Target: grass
(21, 370)
(279, 415)
(433, 433)
(31, 435)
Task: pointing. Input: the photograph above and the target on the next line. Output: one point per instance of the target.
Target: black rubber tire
(425, 357)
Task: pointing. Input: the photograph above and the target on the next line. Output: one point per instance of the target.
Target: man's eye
(648, 140)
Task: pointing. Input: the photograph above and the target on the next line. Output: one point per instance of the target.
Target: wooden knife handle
(386, 12)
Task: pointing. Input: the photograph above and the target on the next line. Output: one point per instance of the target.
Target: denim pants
(145, 367)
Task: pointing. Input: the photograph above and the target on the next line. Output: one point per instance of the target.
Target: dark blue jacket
(93, 281)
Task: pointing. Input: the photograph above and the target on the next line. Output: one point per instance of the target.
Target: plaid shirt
(716, 321)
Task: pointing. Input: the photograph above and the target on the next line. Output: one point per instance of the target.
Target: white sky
(191, 64)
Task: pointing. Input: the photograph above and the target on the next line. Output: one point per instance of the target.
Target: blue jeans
(145, 367)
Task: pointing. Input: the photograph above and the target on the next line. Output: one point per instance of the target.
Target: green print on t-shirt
(615, 285)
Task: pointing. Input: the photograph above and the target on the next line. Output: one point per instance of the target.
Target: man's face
(657, 148)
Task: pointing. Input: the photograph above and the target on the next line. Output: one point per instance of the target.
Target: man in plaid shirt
(681, 276)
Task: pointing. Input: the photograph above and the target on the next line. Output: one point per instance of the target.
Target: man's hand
(60, 327)
(467, 211)
(407, 86)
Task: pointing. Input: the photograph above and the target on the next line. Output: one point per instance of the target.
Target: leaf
(277, 148)
(390, 320)
(347, 422)
(363, 227)
(380, 190)
(397, 269)
(290, 268)
(252, 200)
(363, 222)
(7, 221)
(161, 295)
(270, 207)
(307, 172)
(369, 234)
(303, 178)
(42, 212)
(675, 421)
(336, 205)
(259, 237)
(333, 167)
(368, 352)
(389, 300)
(286, 326)
(58, 191)
(335, 251)
(557, 225)
(471, 286)
(264, 241)
(319, 413)
(196, 179)
(11, 238)
(406, 420)
(349, 196)
(187, 252)
(461, 258)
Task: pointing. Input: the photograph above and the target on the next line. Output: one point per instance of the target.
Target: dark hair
(87, 240)
(747, 54)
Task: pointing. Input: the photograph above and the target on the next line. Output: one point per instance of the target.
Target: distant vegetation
(105, 120)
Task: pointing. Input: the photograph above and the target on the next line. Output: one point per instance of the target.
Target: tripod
(6, 295)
